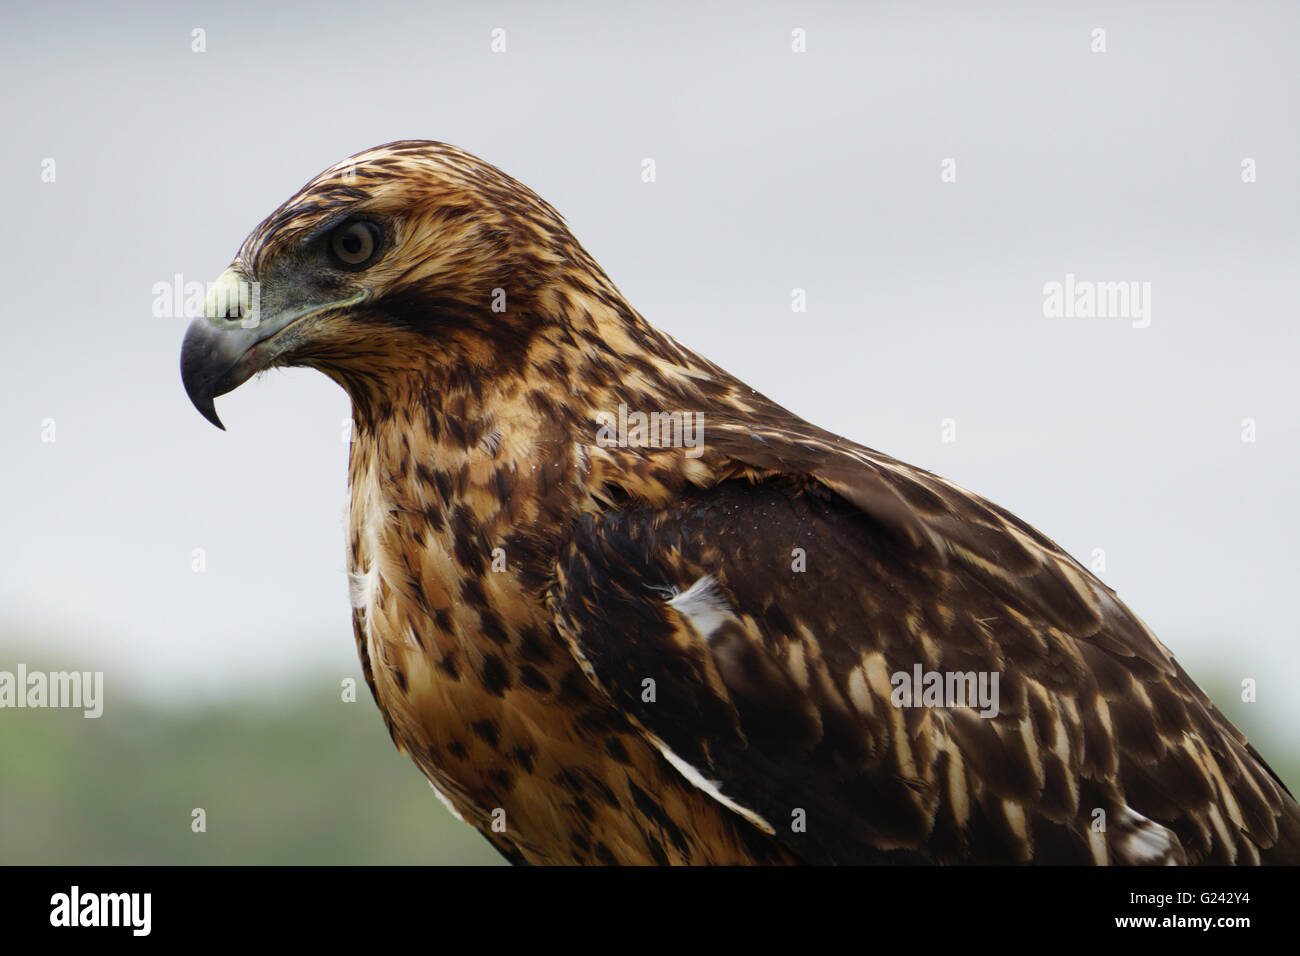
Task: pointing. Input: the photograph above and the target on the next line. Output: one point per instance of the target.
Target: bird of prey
(619, 607)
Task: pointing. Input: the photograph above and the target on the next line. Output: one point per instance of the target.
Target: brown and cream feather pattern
(518, 584)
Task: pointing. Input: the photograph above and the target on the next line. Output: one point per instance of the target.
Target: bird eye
(355, 243)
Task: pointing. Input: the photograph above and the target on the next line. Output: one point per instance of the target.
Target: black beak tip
(207, 409)
(197, 371)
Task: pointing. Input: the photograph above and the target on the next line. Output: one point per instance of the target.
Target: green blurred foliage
(310, 780)
(305, 779)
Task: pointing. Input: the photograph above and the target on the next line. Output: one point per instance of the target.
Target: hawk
(619, 607)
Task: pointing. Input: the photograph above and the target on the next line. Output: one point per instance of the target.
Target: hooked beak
(234, 340)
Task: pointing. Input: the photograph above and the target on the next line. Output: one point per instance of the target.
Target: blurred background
(203, 572)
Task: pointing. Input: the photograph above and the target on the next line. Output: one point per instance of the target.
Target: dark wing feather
(777, 686)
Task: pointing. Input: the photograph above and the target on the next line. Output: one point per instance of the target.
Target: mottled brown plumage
(517, 581)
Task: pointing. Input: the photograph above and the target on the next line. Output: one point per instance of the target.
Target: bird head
(411, 261)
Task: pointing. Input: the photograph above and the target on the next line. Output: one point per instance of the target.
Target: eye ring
(354, 244)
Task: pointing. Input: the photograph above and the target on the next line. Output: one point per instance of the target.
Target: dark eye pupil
(355, 244)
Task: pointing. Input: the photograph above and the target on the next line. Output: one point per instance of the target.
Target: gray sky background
(776, 170)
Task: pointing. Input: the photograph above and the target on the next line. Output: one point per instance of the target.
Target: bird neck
(573, 403)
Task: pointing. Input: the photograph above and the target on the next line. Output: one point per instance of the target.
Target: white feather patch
(707, 609)
(704, 605)
(710, 787)
(445, 801)
(1140, 841)
(361, 587)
